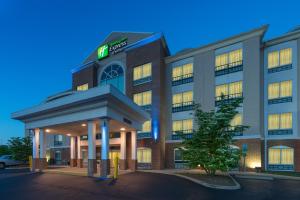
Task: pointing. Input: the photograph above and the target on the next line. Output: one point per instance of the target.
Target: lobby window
(142, 74)
(143, 99)
(182, 74)
(280, 92)
(279, 60)
(83, 87)
(144, 155)
(229, 62)
(113, 75)
(183, 101)
(229, 91)
(182, 127)
(280, 124)
(58, 140)
(280, 155)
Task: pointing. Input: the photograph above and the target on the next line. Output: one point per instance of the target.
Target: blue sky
(41, 41)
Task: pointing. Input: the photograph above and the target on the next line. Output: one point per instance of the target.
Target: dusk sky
(41, 41)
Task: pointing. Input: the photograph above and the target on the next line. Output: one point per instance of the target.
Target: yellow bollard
(116, 167)
(30, 163)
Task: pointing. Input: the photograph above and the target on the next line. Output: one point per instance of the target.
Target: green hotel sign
(111, 48)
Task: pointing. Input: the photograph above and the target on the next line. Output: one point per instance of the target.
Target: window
(279, 58)
(237, 120)
(143, 98)
(280, 121)
(182, 101)
(146, 126)
(83, 87)
(178, 156)
(281, 155)
(185, 126)
(114, 75)
(144, 155)
(231, 59)
(234, 89)
(58, 139)
(280, 90)
(142, 73)
(182, 72)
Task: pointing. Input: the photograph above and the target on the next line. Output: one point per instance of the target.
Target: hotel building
(130, 98)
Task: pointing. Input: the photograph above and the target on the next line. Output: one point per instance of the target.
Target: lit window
(144, 155)
(83, 87)
(280, 90)
(142, 71)
(185, 126)
(181, 98)
(237, 120)
(281, 155)
(230, 59)
(183, 71)
(146, 126)
(280, 121)
(279, 58)
(142, 99)
(231, 89)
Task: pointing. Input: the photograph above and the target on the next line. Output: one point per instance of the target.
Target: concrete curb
(263, 176)
(237, 186)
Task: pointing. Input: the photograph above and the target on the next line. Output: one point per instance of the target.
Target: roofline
(283, 38)
(218, 44)
(134, 45)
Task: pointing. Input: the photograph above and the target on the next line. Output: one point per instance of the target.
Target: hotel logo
(103, 51)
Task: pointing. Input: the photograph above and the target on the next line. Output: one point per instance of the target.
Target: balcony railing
(99, 136)
(229, 68)
(227, 98)
(146, 107)
(184, 134)
(280, 132)
(184, 106)
(280, 100)
(235, 131)
(280, 68)
(143, 135)
(186, 78)
(142, 80)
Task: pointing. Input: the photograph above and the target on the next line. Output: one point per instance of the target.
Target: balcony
(280, 100)
(179, 80)
(227, 98)
(280, 132)
(142, 80)
(229, 68)
(280, 68)
(184, 106)
(184, 134)
(143, 135)
(235, 131)
(146, 107)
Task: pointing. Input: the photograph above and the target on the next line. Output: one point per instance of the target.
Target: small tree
(4, 150)
(20, 148)
(211, 143)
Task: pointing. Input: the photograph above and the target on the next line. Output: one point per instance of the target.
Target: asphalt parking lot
(21, 184)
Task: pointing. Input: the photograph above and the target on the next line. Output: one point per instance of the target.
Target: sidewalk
(267, 176)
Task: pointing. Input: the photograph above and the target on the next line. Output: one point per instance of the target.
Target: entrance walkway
(75, 171)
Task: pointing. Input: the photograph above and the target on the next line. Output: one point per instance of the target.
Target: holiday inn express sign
(111, 48)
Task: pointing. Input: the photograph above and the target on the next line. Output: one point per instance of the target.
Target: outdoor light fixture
(47, 131)
(83, 125)
(122, 129)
